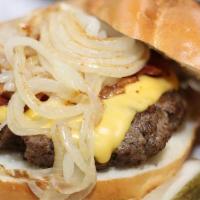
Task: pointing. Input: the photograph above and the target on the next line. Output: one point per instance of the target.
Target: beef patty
(147, 135)
(149, 132)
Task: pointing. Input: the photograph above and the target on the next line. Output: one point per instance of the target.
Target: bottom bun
(134, 183)
(125, 184)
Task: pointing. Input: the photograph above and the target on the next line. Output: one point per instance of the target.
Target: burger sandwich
(87, 109)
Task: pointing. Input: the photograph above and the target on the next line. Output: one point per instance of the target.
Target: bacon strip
(3, 101)
(119, 87)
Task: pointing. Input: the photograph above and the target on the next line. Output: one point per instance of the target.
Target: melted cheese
(3, 113)
(119, 111)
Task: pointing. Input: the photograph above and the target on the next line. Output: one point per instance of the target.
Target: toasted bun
(172, 26)
(114, 184)
(11, 190)
(136, 182)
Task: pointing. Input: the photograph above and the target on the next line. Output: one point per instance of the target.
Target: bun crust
(12, 191)
(172, 26)
(135, 187)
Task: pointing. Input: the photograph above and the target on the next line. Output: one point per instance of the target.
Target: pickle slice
(185, 185)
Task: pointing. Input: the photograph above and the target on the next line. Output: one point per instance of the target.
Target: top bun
(169, 26)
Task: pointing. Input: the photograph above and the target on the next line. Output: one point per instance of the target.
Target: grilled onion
(70, 62)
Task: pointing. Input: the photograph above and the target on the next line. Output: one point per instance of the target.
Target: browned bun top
(170, 26)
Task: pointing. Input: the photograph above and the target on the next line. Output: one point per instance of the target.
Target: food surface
(76, 96)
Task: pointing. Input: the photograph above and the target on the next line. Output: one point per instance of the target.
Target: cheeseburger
(89, 111)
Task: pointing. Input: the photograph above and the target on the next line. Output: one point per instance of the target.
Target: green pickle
(191, 191)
